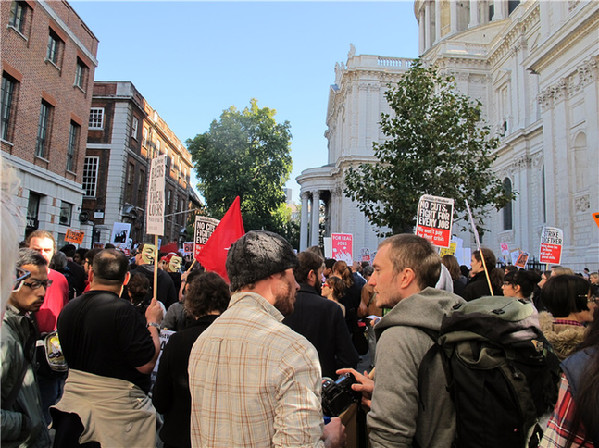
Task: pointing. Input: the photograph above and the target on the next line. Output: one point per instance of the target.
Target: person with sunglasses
(23, 422)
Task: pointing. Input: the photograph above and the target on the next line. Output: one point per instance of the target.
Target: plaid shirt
(558, 429)
(254, 382)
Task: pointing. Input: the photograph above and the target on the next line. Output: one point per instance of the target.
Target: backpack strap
(435, 350)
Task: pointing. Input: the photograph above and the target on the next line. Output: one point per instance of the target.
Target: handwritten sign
(448, 250)
(74, 236)
(521, 260)
(552, 240)
(435, 218)
(342, 245)
(155, 203)
(203, 228)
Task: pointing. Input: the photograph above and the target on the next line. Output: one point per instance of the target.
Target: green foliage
(436, 144)
(245, 153)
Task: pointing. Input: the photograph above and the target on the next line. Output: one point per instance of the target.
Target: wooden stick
(155, 265)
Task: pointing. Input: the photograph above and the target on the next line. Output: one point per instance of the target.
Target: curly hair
(206, 293)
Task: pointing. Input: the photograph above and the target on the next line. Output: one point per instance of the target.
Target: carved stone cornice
(582, 203)
(580, 77)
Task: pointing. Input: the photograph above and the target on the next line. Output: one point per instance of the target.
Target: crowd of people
(245, 364)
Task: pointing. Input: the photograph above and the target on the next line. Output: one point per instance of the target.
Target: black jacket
(321, 322)
(478, 287)
(171, 396)
(166, 288)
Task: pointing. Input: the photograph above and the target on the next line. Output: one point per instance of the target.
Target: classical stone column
(499, 9)
(304, 223)
(315, 213)
(427, 25)
(421, 39)
(473, 14)
(453, 16)
(437, 20)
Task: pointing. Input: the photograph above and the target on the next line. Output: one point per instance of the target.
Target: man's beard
(318, 286)
(285, 299)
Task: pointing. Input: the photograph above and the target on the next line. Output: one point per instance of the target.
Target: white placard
(155, 202)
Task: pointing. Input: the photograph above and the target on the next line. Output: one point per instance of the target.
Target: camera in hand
(338, 395)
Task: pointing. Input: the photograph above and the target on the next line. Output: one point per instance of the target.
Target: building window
(130, 174)
(65, 213)
(144, 142)
(10, 87)
(81, 73)
(18, 14)
(134, 126)
(157, 149)
(96, 118)
(90, 176)
(507, 210)
(33, 209)
(511, 6)
(54, 51)
(141, 183)
(73, 146)
(43, 131)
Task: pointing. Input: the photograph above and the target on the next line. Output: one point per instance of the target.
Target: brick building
(125, 133)
(48, 61)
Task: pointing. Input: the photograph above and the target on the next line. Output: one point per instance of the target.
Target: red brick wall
(25, 55)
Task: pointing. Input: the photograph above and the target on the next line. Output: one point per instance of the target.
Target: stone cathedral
(534, 65)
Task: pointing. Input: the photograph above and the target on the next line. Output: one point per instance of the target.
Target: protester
(173, 268)
(57, 296)
(111, 349)
(328, 267)
(177, 318)
(478, 285)
(520, 283)
(334, 289)
(166, 292)
(459, 281)
(559, 270)
(404, 412)
(319, 320)
(370, 313)
(575, 421)
(23, 422)
(88, 262)
(253, 380)
(206, 298)
(568, 299)
(77, 273)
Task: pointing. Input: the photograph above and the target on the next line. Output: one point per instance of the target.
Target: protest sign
(365, 254)
(155, 203)
(596, 218)
(120, 235)
(164, 337)
(74, 236)
(342, 247)
(202, 230)
(448, 250)
(552, 240)
(187, 247)
(504, 249)
(435, 218)
(521, 260)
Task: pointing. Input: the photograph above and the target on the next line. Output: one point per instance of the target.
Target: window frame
(18, 14)
(73, 148)
(91, 125)
(134, 127)
(44, 129)
(7, 106)
(91, 165)
(66, 212)
(54, 48)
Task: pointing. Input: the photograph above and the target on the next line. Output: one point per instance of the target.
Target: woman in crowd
(520, 283)
(575, 420)
(459, 281)
(568, 299)
(334, 289)
(206, 298)
(478, 285)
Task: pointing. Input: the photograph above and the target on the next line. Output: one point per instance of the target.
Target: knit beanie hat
(256, 255)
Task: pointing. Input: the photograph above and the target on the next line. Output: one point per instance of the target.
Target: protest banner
(521, 260)
(74, 236)
(552, 240)
(155, 201)
(435, 218)
(202, 230)
(342, 247)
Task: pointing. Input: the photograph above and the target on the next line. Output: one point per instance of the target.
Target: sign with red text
(342, 247)
(74, 236)
(434, 220)
(552, 240)
(203, 229)
(505, 250)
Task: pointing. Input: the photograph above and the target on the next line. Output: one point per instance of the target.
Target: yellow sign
(448, 250)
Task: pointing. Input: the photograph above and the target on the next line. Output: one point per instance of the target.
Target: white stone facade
(534, 65)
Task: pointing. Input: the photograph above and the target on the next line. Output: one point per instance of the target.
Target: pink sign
(342, 245)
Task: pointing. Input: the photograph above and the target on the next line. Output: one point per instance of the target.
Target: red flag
(229, 230)
(170, 247)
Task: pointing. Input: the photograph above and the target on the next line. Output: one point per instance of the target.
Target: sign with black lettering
(552, 240)
(155, 203)
(203, 228)
(435, 219)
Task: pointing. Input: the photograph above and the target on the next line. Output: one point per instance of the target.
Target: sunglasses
(36, 284)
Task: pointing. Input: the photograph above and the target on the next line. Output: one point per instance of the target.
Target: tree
(245, 153)
(436, 144)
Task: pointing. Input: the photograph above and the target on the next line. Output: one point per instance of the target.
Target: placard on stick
(203, 229)
(342, 245)
(155, 202)
(74, 236)
(552, 240)
(435, 218)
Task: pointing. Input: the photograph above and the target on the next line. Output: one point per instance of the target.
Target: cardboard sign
(155, 203)
(435, 218)
(342, 247)
(552, 240)
(74, 236)
(202, 230)
(521, 260)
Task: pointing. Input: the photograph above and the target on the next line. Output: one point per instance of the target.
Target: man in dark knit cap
(253, 380)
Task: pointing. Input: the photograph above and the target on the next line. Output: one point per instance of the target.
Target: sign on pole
(155, 202)
(435, 218)
(188, 248)
(342, 245)
(552, 240)
(74, 236)
(521, 260)
(202, 230)
(120, 235)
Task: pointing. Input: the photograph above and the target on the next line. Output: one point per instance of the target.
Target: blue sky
(191, 60)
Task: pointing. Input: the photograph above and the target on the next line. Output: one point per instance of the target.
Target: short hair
(490, 260)
(68, 249)
(558, 270)
(193, 274)
(41, 234)
(315, 249)
(526, 280)
(565, 294)
(110, 267)
(138, 288)
(59, 261)
(367, 271)
(329, 262)
(207, 292)
(109, 246)
(308, 261)
(30, 257)
(416, 253)
(90, 255)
